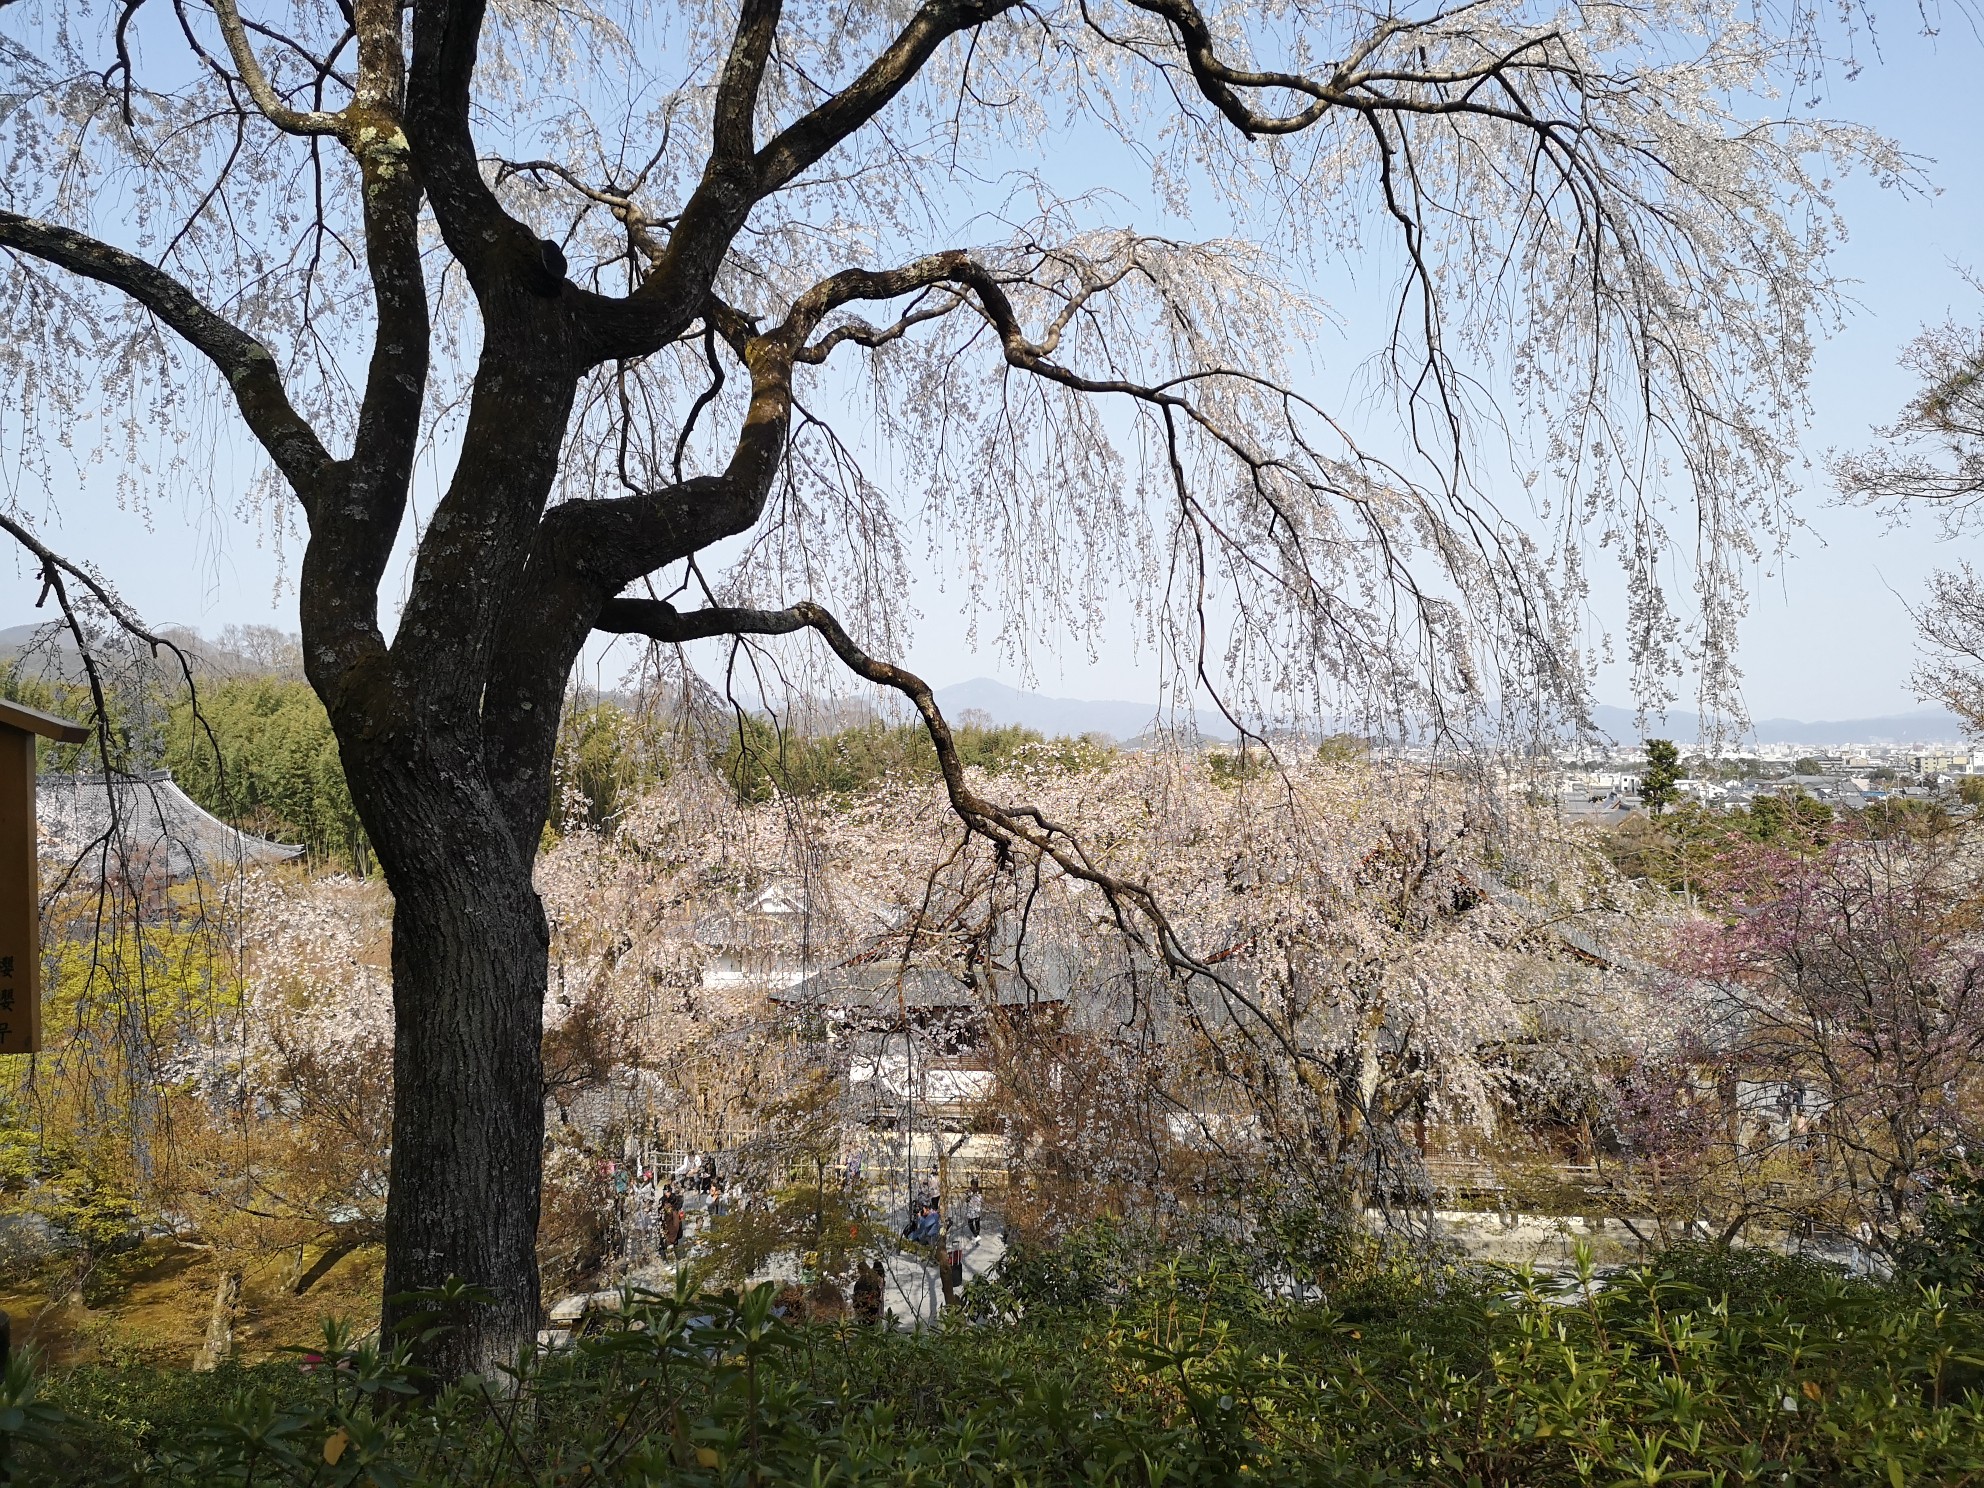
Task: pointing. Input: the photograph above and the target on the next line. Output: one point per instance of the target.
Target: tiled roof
(878, 986)
(146, 826)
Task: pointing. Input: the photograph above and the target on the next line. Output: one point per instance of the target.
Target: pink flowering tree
(1840, 1017)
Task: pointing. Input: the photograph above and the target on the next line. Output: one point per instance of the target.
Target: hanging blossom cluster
(317, 962)
(1380, 952)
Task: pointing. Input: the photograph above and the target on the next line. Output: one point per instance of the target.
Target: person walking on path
(974, 1207)
(671, 1227)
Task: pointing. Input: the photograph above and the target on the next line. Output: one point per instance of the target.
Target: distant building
(143, 829)
(1969, 762)
(768, 942)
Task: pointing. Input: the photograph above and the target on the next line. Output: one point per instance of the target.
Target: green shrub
(1703, 1368)
(1949, 1250)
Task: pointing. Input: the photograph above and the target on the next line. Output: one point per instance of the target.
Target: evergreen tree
(1663, 769)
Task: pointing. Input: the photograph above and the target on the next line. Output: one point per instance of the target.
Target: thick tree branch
(352, 535)
(478, 231)
(1453, 90)
(1217, 80)
(807, 140)
(732, 134)
(242, 360)
(732, 185)
(278, 113)
(1133, 906)
(861, 333)
(625, 537)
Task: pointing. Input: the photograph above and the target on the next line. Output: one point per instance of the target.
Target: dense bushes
(261, 754)
(758, 759)
(1710, 1367)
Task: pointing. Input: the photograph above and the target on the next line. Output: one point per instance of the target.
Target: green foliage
(1343, 749)
(26, 1420)
(809, 1217)
(1682, 848)
(1238, 766)
(1949, 1250)
(1795, 821)
(1663, 769)
(1969, 790)
(759, 759)
(76, 1180)
(807, 1212)
(261, 754)
(70, 1141)
(605, 759)
(1708, 1366)
(1896, 817)
(130, 743)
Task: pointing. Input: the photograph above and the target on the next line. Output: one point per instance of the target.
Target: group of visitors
(697, 1173)
(927, 1208)
(926, 1228)
(652, 1218)
(653, 1211)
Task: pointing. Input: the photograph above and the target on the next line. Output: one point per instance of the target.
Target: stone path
(912, 1295)
(911, 1292)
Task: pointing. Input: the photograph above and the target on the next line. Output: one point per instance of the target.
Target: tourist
(974, 1206)
(671, 1226)
(641, 1201)
(929, 1227)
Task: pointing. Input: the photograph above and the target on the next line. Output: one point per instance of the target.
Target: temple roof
(884, 985)
(151, 826)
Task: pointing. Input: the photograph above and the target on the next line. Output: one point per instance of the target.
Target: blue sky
(1828, 635)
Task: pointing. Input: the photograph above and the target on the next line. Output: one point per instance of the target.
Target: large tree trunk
(469, 964)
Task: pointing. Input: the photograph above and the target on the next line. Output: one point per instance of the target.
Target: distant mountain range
(1923, 726)
(1121, 720)
(44, 638)
(45, 648)
(1071, 716)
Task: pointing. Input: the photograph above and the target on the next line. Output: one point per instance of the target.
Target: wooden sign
(20, 884)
